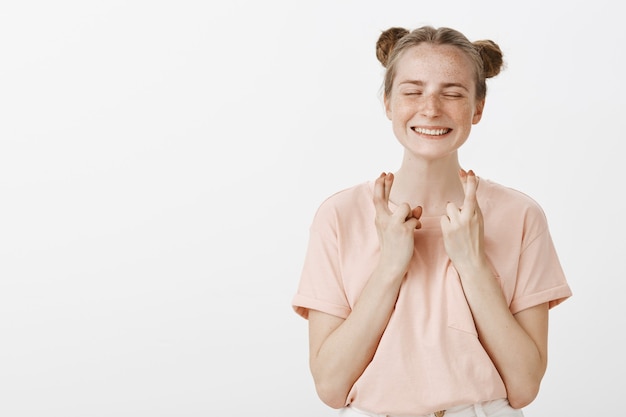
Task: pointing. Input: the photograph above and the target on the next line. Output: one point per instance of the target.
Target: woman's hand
(517, 345)
(341, 349)
(463, 228)
(395, 229)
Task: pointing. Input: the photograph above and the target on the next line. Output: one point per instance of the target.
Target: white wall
(160, 163)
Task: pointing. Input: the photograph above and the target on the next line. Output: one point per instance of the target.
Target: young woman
(427, 290)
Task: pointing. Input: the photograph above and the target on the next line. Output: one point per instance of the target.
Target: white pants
(496, 408)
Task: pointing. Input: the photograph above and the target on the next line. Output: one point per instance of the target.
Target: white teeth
(432, 132)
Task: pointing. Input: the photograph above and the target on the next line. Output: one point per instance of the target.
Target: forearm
(348, 349)
(519, 360)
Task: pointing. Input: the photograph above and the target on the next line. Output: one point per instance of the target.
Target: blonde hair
(484, 54)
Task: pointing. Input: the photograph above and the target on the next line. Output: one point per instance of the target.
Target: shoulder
(349, 203)
(493, 192)
(509, 204)
(348, 197)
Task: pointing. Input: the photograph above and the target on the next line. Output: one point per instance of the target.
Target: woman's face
(433, 103)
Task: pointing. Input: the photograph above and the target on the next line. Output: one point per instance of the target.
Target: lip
(431, 132)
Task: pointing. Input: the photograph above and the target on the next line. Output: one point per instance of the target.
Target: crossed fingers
(470, 205)
(404, 213)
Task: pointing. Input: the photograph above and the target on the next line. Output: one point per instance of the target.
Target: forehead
(428, 62)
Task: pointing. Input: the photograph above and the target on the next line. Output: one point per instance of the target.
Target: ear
(478, 111)
(387, 107)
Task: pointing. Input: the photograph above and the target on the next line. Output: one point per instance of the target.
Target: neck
(430, 184)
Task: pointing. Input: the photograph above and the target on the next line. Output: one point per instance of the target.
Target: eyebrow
(445, 85)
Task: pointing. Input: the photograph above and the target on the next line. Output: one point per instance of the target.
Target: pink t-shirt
(429, 357)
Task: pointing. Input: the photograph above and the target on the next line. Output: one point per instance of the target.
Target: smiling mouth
(431, 132)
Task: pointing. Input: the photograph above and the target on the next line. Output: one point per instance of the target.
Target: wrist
(391, 272)
(475, 268)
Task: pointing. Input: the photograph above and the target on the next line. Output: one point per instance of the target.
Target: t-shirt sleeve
(321, 286)
(540, 277)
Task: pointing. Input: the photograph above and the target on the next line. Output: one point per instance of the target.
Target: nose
(431, 105)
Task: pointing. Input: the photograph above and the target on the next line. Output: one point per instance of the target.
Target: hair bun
(387, 41)
(492, 57)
